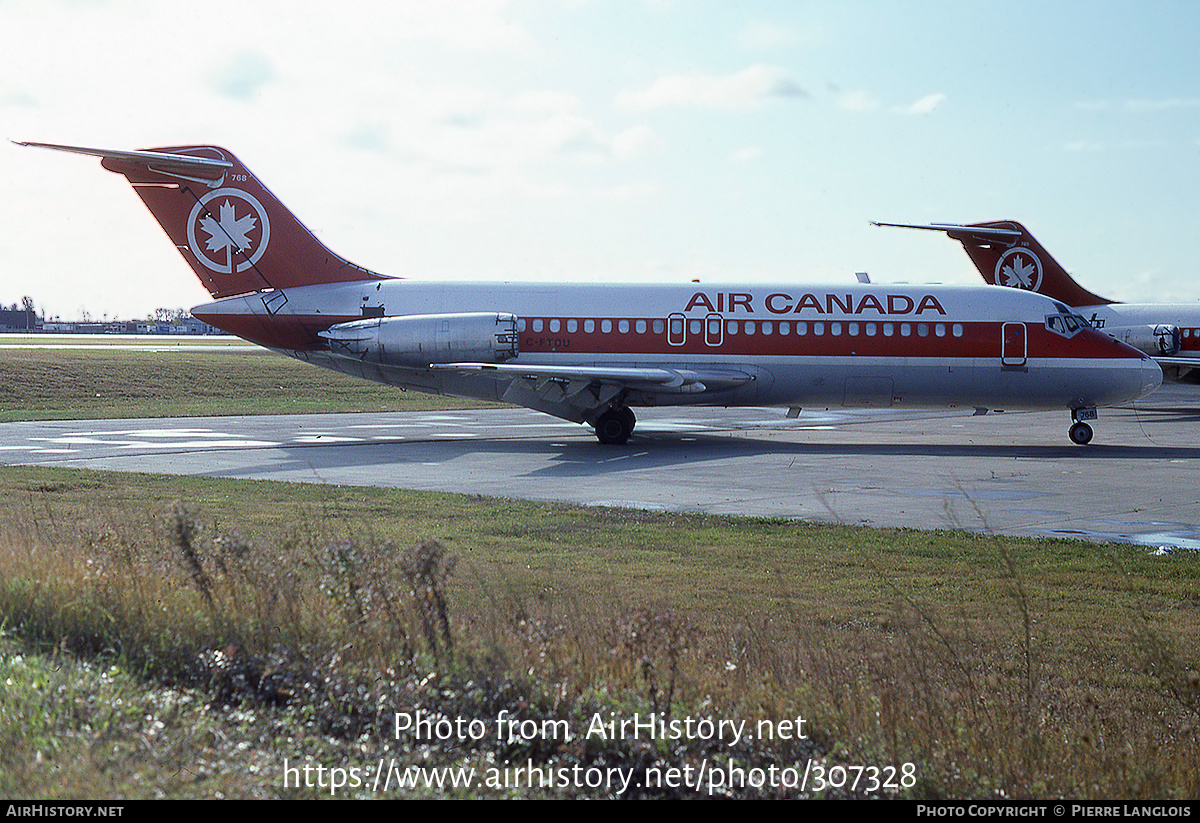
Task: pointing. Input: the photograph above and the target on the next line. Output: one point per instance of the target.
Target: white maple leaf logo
(230, 231)
(242, 239)
(1019, 274)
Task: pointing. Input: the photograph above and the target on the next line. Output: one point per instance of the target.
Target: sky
(610, 140)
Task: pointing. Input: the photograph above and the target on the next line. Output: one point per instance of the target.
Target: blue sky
(624, 140)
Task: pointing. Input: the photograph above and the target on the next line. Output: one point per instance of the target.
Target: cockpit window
(1066, 324)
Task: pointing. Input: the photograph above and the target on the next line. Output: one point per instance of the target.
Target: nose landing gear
(1080, 432)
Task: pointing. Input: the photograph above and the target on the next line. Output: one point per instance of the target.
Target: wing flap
(682, 381)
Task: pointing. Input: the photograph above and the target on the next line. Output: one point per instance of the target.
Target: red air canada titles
(828, 303)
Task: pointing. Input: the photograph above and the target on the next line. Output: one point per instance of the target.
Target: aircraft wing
(579, 393)
(657, 379)
(1178, 360)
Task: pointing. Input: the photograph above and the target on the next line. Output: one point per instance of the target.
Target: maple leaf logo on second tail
(1020, 269)
(1020, 274)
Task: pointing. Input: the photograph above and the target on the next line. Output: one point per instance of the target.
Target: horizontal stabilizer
(182, 166)
(958, 231)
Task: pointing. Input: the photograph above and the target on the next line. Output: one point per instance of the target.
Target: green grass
(72, 384)
(1000, 666)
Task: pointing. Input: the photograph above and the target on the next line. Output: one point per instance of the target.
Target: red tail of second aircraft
(1006, 254)
(237, 237)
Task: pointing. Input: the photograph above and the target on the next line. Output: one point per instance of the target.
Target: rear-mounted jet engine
(419, 340)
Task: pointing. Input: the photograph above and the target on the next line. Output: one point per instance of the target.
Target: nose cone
(1130, 379)
(1152, 377)
(1119, 373)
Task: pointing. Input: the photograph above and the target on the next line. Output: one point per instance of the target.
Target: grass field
(264, 621)
(183, 637)
(76, 384)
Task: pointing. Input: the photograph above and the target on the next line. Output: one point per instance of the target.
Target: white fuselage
(802, 344)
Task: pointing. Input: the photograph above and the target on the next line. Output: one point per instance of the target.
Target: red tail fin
(1006, 254)
(233, 232)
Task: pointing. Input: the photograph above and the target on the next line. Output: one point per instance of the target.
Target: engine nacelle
(1161, 340)
(417, 340)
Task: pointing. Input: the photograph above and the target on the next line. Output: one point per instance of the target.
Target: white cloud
(744, 89)
(635, 142)
(925, 105)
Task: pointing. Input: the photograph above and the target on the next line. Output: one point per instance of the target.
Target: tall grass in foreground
(320, 638)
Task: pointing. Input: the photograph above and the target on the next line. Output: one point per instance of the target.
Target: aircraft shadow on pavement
(577, 456)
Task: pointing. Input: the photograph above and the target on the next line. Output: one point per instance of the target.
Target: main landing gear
(614, 426)
(1080, 432)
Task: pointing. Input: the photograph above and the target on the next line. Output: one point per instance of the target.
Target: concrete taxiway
(1015, 473)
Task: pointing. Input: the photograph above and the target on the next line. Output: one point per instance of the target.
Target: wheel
(614, 426)
(1081, 434)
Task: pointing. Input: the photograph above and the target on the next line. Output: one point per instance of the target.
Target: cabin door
(1014, 347)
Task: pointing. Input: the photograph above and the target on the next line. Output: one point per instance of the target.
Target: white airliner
(1006, 254)
(590, 353)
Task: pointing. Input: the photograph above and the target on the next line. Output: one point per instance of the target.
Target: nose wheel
(614, 427)
(1080, 432)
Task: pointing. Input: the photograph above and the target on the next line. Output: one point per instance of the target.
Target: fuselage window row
(674, 327)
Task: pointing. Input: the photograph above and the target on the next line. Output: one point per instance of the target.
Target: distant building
(19, 320)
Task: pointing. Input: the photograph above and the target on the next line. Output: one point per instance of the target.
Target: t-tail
(237, 237)
(1006, 254)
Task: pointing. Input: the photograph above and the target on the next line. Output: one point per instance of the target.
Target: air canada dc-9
(592, 353)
